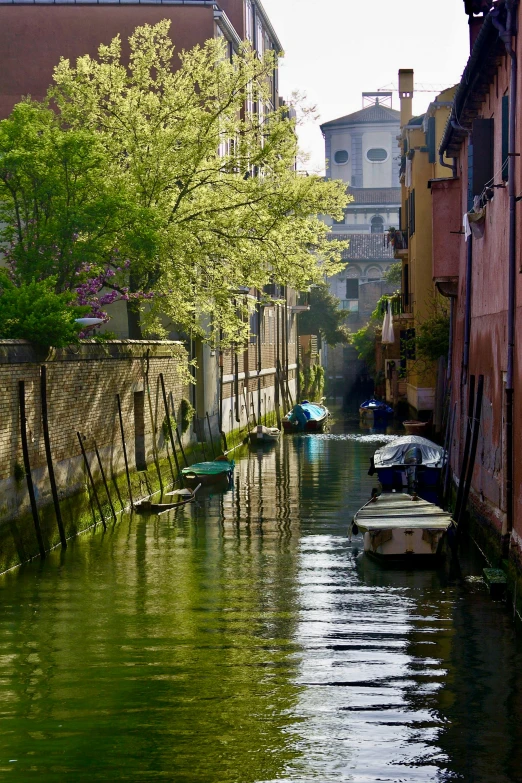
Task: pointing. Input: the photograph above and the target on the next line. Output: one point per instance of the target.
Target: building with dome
(361, 149)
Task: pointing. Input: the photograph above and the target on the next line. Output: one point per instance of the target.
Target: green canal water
(246, 639)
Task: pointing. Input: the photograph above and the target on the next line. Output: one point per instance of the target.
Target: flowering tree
(200, 196)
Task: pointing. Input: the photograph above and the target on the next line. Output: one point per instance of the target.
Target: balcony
(398, 239)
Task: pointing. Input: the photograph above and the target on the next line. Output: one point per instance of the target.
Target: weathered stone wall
(82, 384)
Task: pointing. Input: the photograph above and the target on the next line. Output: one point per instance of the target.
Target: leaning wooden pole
(91, 480)
(49, 456)
(122, 432)
(27, 468)
(104, 479)
(169, 424)
(473, 450)
(464, 466)
(211, 438)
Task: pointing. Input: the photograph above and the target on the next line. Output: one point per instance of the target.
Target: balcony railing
(397, 238)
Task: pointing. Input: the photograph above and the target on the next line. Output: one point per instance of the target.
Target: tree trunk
(133, 321)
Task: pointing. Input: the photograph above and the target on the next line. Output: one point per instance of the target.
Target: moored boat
(262, 434)
(397, 526)
(410, 462)
(209, 472)
(375, 413)
(306, 417)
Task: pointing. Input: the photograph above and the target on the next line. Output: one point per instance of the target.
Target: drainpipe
(507, 34)
(452, 166)
(467, 314)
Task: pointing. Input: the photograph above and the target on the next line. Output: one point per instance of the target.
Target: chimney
(406, 94)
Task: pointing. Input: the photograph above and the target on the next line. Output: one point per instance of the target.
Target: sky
(337, 49)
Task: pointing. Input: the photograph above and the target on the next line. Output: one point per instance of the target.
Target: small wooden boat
(414, 427)
(262, 434)
(375, 413)
(306, 417)
(185, 496)
(410, 462)
(397, 526)
(209, 472)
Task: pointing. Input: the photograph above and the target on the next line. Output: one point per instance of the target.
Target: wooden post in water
(211, 438)
(93, 485)
(48, 455)
(464, 466)
(104, 479)
(246, 411)
(169, 424)
(27, 468)
(473, 449)
(122, 431)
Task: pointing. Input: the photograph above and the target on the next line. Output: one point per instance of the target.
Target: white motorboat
(262, 434)
(396, 526)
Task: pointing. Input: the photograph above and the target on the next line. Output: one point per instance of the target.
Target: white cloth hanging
(407, 174)
(388, 337)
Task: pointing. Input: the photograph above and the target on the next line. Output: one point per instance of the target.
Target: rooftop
(375, 196)
(365, 247)
(376, 113)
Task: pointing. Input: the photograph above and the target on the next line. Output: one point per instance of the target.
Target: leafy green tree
(60, 212)
(393, 274)
(213, 187)
(324, 317)
(35, 312)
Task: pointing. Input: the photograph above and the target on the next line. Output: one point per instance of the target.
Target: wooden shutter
(505, 136)
(430, 140)
(483, 137)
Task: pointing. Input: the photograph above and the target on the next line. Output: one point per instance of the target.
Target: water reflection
(246, 639)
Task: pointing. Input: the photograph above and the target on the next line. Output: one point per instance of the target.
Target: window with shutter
(505, 136)
(430, 139)
(483, 170)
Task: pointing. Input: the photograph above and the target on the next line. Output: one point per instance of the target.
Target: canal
(247, 640)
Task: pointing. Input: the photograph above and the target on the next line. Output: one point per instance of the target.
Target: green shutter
(505, 136)
(430, 140)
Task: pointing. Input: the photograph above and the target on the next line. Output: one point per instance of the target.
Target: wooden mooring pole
(104, 479)
(169, 424)
(49, 456)
(27, 468)
(122, 431)
(91, 480)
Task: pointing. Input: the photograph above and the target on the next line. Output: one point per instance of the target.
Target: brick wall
(82, 384)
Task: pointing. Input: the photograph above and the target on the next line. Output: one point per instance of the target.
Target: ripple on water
(245, 640)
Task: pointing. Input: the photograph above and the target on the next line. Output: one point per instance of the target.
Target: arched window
(377, 225)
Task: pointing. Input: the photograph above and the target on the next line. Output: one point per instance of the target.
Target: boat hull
(262, 435)
(398, 526)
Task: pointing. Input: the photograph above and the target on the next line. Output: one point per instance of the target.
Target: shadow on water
(244, 638)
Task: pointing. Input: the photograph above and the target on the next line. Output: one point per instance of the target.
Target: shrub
(34, 312)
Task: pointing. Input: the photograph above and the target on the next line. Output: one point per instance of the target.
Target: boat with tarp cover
(375, 413)
(410, 462)
(306, 417)
(209, 472)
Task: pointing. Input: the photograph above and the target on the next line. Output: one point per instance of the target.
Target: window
(249, 21)
(377, 155)
(411, 213)
(341, 157)
(505, 136)
(352, 289)
(377, 225)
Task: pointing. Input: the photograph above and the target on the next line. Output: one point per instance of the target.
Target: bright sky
(337, 49)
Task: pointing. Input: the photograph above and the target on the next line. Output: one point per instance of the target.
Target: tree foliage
(324, 316)
(393, 274)
(35, 312)
(163, 169)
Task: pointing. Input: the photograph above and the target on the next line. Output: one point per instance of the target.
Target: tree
(324, 316)
(35, 312)
(393, 274)
(213, 188)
